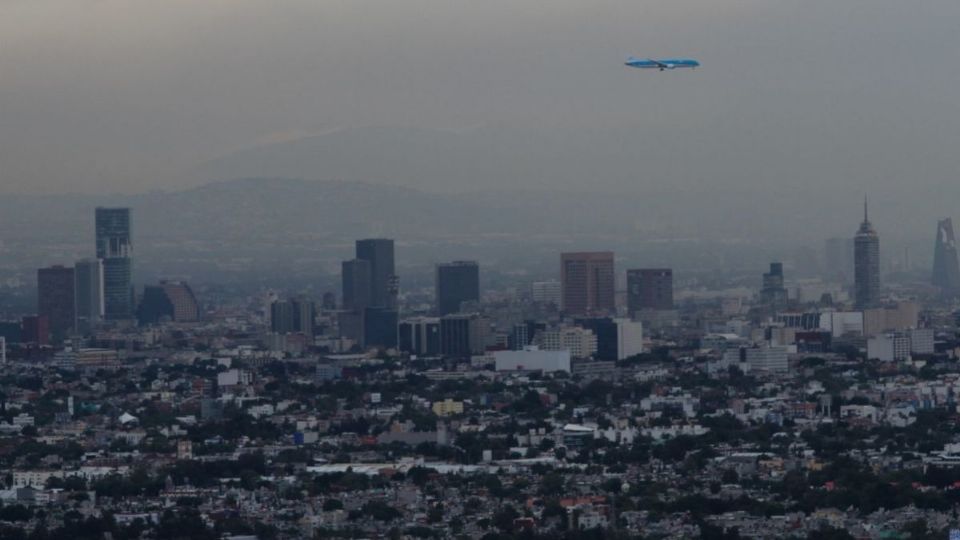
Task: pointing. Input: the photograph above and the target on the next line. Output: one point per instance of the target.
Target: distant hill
(258, 209)
(477, 159)
(261, 227)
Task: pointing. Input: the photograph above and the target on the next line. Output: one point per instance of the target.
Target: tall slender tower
(115, 250)
(866, 263)
(946, 272)
(379, 252)
(55, 300)
(88, 288)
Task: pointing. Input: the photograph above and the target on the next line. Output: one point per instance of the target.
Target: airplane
(666, 63)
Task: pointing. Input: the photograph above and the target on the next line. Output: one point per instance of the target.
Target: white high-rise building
(629, 338)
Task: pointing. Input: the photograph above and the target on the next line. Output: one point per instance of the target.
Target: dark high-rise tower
(773, 292)
(379, 252)
(88, 290)
(55, 300)
(587, 283)
(649, 288)
(456, 282)
(357, 284)
(115, 250)
(866, 264)
(370, 295)
(946, 272)
(294, 315)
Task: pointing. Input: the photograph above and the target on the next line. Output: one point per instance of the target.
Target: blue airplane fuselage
(662, 63)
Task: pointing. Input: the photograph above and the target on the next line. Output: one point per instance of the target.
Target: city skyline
(456, 270)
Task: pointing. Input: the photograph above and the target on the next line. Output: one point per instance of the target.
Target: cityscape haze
(434, 269)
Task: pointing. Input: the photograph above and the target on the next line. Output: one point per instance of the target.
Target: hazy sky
(125, 95)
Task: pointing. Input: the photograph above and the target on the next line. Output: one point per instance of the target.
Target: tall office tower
(55, 300)
(383, 284)
(546, 292)
(587, 283)
(292, 316)
(946, 272)
(456, 282)
(357, 284)
(773, 292)
(866, 264)
(838, 259)
(88, 291)
(649, 288)
(115, 249)
(171, 300)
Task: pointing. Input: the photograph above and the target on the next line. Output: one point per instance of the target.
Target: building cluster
(595, 404)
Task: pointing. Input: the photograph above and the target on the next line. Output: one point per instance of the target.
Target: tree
(504, 518)
(380, 511)
(15, 512)
(730, 476)
(830, 533)
(551, 484)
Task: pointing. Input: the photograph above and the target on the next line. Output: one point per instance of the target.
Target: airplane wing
(659, 64)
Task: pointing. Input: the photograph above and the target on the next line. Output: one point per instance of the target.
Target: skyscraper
(357, 284)
(88, 294)
(587, 283)
(379, 252)
(370, 295)
(946, 272)
(456, 282)
(115, 249)
(292, 316)
(866, 264)
(649, 288)
(773, 293)
(55, 300)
